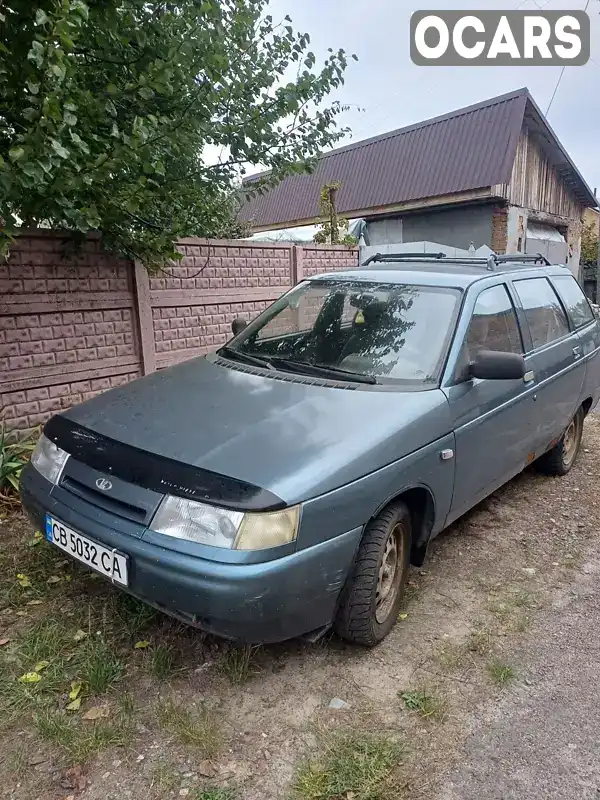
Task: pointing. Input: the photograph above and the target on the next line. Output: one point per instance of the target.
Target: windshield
(388, 332)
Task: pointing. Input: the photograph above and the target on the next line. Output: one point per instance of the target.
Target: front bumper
(254, 603)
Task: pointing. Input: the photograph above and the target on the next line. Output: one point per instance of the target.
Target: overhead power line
(562, 72)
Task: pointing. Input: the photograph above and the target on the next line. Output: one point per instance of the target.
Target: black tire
(563, 455)
(364, 616)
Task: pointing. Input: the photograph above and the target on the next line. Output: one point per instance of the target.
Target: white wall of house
(516, 229)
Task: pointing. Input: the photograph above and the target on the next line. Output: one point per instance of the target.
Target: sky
(386, 90)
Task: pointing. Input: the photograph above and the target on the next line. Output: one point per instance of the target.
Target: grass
(352, 765)
(45, 641)
(502, 674)
(452, 657)
(14, 455)
(134, 614)
(93, 663)
(428, 704)
(165, 779)
(37, 561)
(458, 655)
(523, 599)
(99, 667)
(197, 728)
(513, 610)
(480, 642)
(47, 631)
(522, 623)
(161, 661)
(79, 740)
(502, 610)
(127, 704)
(238, 663)
(213, 794)
(16, 763)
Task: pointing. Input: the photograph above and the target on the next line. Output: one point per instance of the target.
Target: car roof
(451, 275)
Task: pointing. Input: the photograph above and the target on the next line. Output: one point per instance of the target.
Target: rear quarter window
(574, 300)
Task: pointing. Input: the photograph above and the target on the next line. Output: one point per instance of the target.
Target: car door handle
(577, 351)
(529, 377)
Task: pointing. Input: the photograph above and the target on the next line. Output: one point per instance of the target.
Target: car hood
(290, 437)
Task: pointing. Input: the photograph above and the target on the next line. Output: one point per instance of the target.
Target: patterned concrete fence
(74, 323)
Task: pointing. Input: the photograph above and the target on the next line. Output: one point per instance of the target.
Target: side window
(576, 303)
(543, 311)
(493, 325)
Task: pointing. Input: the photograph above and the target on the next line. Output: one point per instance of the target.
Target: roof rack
(490, 262)
(402, 257)
(535, 258)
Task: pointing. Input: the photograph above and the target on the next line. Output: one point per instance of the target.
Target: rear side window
(574, 300)
(493, 324)
(543, 311)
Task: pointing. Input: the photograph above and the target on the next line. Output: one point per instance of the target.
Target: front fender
(354, 504)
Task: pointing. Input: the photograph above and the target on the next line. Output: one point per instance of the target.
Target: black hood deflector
(156, 472)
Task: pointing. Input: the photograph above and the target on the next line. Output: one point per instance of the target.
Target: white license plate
(107, 562)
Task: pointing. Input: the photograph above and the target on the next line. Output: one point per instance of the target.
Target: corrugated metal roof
(468, 149)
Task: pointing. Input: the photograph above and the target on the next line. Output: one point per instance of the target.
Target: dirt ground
(185, 715)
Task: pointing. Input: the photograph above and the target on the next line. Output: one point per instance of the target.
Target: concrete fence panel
(77, 321)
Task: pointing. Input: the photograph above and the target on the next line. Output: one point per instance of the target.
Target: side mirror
(496, 366)
(238, 325)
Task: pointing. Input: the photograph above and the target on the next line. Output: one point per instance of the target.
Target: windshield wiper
(304, 367)
(258, 361)
(308, 368)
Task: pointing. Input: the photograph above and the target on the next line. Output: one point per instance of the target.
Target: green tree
(137, 117)
(589, 244)
(334, 229)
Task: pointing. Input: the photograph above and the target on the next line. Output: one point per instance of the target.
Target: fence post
(143, 309)
(297, 271)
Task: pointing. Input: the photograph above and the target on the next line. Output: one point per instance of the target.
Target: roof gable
(468, 149)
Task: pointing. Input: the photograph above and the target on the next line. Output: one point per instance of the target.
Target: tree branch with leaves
(111, 110)
(589, 244)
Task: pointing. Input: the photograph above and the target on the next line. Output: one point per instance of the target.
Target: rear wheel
(561, 458)
(372, 596)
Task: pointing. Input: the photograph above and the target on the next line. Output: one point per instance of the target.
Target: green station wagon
(284, 484)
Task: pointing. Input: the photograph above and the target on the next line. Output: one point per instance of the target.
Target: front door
(494, 421)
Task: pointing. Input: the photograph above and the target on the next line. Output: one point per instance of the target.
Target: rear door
(556, 354)
(584, 321)
(494, 421)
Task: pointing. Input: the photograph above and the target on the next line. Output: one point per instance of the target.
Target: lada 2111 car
(284, 483)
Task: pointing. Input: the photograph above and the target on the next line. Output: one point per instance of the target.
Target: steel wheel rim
(570, 442)
(390, 572)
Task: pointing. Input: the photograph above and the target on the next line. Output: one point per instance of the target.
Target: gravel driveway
(487, 687)
(542, 741)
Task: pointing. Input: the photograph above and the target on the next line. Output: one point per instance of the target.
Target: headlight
(49, 460)
(198, 522)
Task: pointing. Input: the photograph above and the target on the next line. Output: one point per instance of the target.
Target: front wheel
(373, 593)
(561, 458)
